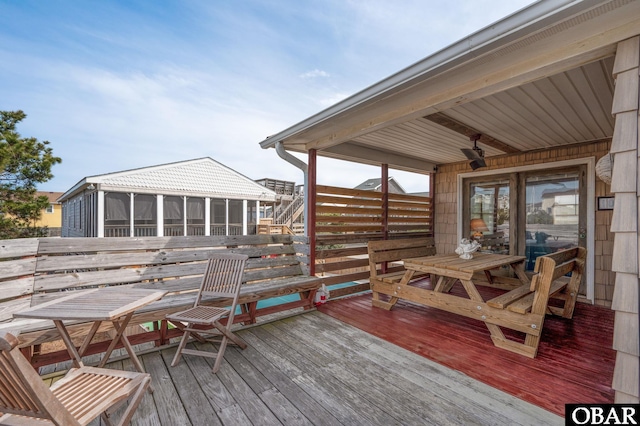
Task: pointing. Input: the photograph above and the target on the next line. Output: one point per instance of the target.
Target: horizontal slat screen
(347, 219)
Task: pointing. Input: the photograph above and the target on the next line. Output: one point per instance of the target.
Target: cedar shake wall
(445, 202)
(624, 184)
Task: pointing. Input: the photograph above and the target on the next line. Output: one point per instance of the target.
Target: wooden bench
(385, 257)
(556, 276)
(37, 270)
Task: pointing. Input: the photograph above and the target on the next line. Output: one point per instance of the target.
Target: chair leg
(226, 331)
(134, 402)
(221, 349)
(183, 343)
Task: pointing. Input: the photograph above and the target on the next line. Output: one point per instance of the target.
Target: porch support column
(160, 215)
(624, 223)
(244, 217)
(226, 216)
(207, 216)
(385, 200)
(432, 207)
(311, 208)
(100, 214)
(132, 214)
(184, 216)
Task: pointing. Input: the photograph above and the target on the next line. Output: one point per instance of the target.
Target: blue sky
(118, 85)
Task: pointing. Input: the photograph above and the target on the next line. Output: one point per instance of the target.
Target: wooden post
(311, 176)
(432, 193)
(385, 201)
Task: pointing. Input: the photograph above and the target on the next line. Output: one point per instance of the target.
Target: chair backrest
(22, 390)
(495, 241)
(223, 275)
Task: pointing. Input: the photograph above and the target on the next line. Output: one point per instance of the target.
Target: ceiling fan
(475, 154)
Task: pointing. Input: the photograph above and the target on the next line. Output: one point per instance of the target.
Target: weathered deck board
(314, 369)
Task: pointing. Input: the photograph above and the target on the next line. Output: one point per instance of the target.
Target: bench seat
(49, 268)
(384, 261)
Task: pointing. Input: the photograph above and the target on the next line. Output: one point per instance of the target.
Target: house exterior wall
(51, 219)
(73, 217)
(624, 184)
(446, 206)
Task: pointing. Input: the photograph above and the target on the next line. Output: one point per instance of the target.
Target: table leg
(375, 300)
(66, 338)
(120, 327)
(89, 338)
(473, 293)
(444, 284)
(518, 268)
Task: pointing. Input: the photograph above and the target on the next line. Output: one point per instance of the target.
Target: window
(235, 217)
(252, 218)
(145, 215)
(49, 208)
(173, 216)
(117, 214)
(195, 216)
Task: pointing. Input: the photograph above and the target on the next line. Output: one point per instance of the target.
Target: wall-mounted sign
(605, 203)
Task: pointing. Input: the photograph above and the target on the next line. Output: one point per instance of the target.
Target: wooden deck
(575, 358)
(313, 369)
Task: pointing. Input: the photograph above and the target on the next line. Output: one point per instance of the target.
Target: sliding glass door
(529, 213)
(552, 207)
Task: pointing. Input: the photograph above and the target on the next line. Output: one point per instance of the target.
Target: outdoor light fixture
(91, 187)
(475, 154)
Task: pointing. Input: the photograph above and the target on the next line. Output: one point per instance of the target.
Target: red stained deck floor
(574, 363)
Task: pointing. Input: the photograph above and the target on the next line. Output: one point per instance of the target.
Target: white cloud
(315, 74)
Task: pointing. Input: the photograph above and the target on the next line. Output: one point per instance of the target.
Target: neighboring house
(51, 216)
(563, 206)
(193, 197)
(375, 184)
(546, 92)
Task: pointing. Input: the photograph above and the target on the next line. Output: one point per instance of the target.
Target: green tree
(540, 217)
(25, 163)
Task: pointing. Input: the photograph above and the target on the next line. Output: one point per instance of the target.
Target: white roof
(202, 177)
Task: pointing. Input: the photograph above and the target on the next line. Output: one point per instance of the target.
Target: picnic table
(523, 308)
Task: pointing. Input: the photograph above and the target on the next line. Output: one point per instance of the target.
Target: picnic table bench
(34, 271)
(385, 259)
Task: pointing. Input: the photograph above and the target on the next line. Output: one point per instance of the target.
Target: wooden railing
(169, 230)
(347, 219)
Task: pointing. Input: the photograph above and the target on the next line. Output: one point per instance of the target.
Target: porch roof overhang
(539, 78)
